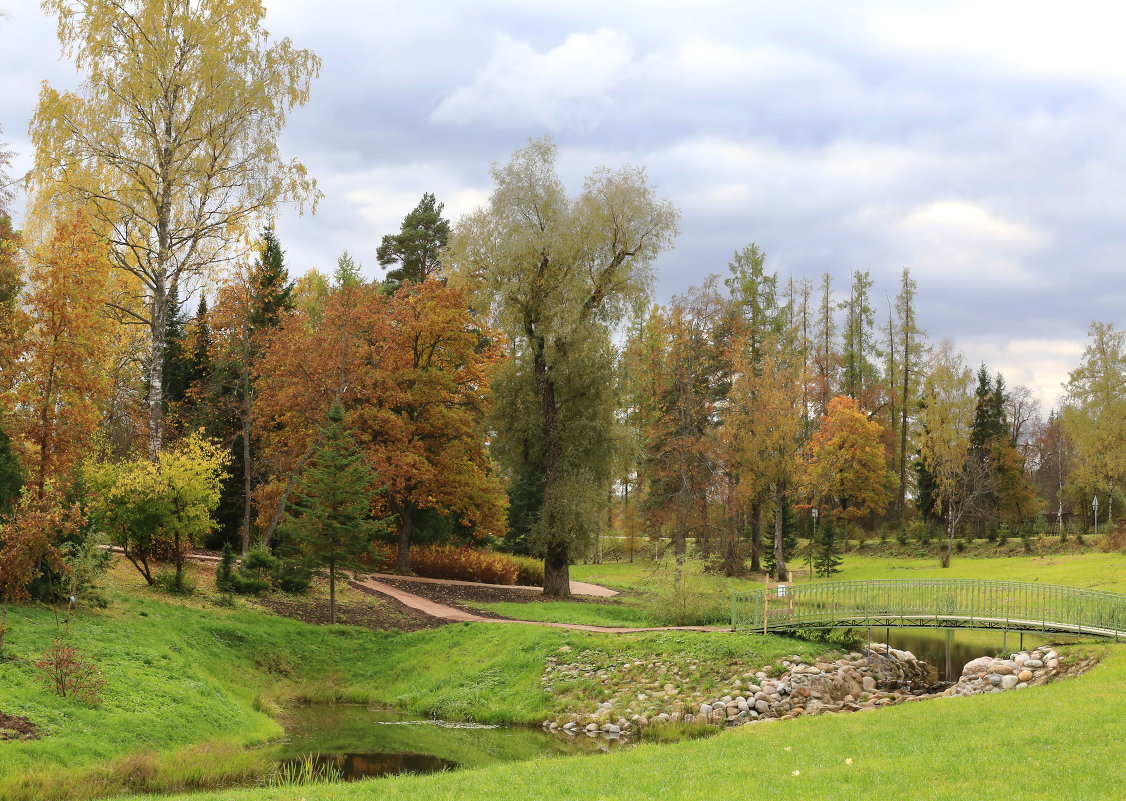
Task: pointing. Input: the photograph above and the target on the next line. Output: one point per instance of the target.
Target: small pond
(947, 651)
(356, 742)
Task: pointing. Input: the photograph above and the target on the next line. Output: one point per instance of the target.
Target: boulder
(1008, 682)
(1025, 675)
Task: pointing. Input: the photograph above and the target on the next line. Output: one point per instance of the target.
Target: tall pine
(415, 249)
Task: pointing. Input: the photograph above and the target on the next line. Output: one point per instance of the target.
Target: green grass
(1064, 738)
(190, 683)
(1104, 571)
(588, 614)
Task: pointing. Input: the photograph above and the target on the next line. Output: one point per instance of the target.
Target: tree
(826, 557)
(13, 322)
(417, 246)
(411, 371)
(944, 445)
(330, 518)
(1094, 414)
(912, 348)
(858, 377)
(556, 272)
(172, 142)
(62, 380)
(143, 505)
(826, 362)
(844, 463)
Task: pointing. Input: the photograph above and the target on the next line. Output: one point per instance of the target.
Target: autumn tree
(330, 519)
(765, 415)
(147, 507)
(961, 484)
(1094, 413)
(417, 246)
(62, 380)
(171, 143)
(411, 372)
(844, 463)
(12, 325)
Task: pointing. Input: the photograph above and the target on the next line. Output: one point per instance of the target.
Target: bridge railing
(957, 602)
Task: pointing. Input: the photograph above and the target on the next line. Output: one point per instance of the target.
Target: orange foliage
(63, 379)
(845, 463)
(411, 371)
(465, 564)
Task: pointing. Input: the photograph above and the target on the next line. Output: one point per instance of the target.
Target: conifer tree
(826, 559)
(330, 518)
(416, 247)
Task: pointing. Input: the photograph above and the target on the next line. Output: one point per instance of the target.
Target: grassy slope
(183, 673)
(1063, 740)
(589, 614)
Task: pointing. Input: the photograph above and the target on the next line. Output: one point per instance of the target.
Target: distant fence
(949, 603)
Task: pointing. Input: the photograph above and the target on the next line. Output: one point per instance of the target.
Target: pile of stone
(878, 676)
(989, 675)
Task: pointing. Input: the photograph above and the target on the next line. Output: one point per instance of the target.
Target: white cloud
(568, 87)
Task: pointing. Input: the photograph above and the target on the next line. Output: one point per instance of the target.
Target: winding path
(456, 615)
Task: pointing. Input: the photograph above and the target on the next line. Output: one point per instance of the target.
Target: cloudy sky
(982, 144)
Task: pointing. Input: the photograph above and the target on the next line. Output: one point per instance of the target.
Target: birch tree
(171, 142)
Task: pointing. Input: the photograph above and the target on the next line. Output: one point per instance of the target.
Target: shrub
(69, 672)
(175, 583)
(291, 576)
(696, 600)
(530, 571)
(466, 564)
(1113, 541)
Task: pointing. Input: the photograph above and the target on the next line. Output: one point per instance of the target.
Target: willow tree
(171, 142)
(557, 273)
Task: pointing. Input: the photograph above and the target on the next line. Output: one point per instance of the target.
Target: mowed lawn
(1061, 741)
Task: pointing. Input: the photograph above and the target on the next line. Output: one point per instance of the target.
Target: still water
(362, 743)
(947, 651)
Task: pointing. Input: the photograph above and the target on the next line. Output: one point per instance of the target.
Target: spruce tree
(826, 560)
(330, 520)
(272, 289)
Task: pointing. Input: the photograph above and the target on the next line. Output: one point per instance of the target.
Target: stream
(358, 743)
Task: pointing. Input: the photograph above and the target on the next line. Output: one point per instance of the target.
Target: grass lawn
(1104, 571)
(588, 614)
(1063, 740)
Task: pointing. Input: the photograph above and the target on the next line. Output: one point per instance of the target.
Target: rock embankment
(645, 692)
(993, 675)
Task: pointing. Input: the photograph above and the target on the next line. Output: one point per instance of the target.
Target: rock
(1052, 664)
(1008, 682)
(977, 665)
(995, 679)
(613, 728)
(1033, 663)
(1025, 675)
(1003, 669)
(705, 709)
(868, 683)
(592, 727)
(762, 707)
(566, 649)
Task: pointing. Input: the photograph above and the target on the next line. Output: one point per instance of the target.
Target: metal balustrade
(944, 603)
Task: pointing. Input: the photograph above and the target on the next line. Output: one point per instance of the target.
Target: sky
(982, 144)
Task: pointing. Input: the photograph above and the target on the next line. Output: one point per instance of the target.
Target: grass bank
(1063, 739)
(190, 683)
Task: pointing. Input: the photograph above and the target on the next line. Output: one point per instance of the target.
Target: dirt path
(455, 615)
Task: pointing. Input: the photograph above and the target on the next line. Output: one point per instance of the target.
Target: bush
(175, 583)
(697, 600)
(466, 564)
(290, 576)
(1113, 541)
(530, 571)
(69, 672)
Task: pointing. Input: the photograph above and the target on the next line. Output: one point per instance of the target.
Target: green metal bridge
(937, 603)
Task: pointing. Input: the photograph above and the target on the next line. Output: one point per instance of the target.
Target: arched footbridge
(938, 603)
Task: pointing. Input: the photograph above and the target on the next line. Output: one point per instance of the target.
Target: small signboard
(781, 590)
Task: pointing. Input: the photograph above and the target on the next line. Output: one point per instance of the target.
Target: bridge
(937, 603)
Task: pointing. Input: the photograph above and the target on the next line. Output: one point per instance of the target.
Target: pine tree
(416, 247)
(330, 519)
(789, 539)
(826, 560)
(270, 285)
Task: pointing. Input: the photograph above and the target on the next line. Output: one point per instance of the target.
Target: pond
(947, 651)
(355, 742)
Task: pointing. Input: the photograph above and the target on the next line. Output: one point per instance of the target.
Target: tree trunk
(557, 571)
(159, 331)
(3, 624)
(949, 551)
(246, 471)
(332, 589)
(756, 538)
(279, 511)
(406, 529)
(780, 571)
